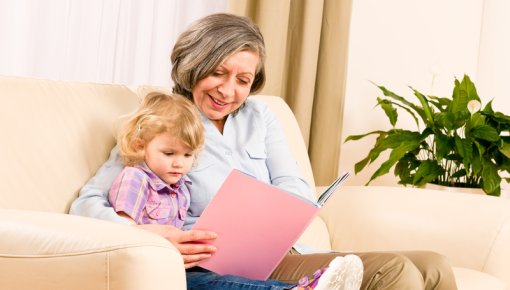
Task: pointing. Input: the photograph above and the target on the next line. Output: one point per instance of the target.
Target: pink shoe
(343, 273)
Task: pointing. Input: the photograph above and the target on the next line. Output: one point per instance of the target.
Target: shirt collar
(157, 183)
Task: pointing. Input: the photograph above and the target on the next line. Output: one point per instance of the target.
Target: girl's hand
(189, 243)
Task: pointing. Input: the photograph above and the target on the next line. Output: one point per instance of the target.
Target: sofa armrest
(472, 230)
(41, 250)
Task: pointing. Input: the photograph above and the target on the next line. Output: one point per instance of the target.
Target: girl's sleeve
(129, 193)
(93, 197)
(282, 166)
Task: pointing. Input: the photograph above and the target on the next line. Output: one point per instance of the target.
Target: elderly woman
(217, 63)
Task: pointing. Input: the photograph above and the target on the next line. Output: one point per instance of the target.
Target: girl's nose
(177, 162)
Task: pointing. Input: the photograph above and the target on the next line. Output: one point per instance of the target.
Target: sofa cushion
(468, 279)
(59, 133)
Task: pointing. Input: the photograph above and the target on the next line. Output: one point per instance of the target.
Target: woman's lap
(382, 270)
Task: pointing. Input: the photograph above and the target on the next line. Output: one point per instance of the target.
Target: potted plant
(459, 145)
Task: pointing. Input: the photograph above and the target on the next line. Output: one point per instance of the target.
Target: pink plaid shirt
(147, 199)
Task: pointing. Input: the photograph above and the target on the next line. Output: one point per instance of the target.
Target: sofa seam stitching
(81, 253)
(107, 271)
(496, 237)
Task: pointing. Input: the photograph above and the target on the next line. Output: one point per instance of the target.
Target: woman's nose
(227, 88)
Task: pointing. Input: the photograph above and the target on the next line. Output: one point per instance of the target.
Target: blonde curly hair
(160, 113)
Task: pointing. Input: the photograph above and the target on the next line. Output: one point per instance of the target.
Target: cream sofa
(56, 134)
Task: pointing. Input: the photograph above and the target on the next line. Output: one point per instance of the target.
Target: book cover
(257, 224)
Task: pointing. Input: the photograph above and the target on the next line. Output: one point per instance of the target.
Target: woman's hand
(187, 242)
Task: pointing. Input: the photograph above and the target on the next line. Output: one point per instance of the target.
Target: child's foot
(343, 273)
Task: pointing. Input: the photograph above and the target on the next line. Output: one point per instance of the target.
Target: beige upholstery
(56, 134)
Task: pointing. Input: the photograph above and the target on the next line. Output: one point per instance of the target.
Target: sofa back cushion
(55, 135)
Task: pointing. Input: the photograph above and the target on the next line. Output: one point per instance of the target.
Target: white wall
(424, 44)
(106, 41)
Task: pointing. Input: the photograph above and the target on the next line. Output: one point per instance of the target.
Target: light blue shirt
(252, 142)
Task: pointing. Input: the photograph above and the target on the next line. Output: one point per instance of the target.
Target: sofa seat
(56, 251)
(469, 279)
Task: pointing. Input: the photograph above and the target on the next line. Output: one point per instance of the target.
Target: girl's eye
(168, 153)
(188, 155)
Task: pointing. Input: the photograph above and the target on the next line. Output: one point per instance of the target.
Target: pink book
(257, 224)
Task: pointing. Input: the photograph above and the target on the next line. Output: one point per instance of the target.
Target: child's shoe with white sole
(343, 273)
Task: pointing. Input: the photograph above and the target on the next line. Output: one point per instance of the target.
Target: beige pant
(411, 270)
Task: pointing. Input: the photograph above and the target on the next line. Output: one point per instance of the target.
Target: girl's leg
(201, 279)
(382, 270)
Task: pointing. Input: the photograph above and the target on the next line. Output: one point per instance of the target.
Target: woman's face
(225, 90)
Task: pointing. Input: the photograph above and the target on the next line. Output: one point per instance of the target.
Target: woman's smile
(225, 89)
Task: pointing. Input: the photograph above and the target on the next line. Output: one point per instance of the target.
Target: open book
(257, 224)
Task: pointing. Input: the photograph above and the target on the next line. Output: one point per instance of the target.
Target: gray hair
(207, 43)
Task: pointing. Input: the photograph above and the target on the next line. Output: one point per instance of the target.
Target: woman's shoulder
(253, 105)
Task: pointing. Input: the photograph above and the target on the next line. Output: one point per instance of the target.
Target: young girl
(159, 144)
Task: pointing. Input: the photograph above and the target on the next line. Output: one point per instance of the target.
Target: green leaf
(459, 99)
(490, 177)
(463, 92)
(459, 173)
(373, 154)
(404, 102)
(444, 145)
(485, 132)
(469, 87)
(408, 111)
(398, 137)
(477, 119)
(488, 109)
(505, 149)
(460, 118)
(440, 103)
(501, 118)
(465, 149)
(445, 120)
(405, 166)
(389, 110)
(357, 137)
(428, 171)
(395, 155)
(426, 108)
(361, 164)
(476, 162)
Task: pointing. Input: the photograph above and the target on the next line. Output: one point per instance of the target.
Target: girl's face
(226, 89)
(168, 157)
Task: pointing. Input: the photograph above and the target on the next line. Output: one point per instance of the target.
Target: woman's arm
(93, 198)
(93, 202)
(282, 166)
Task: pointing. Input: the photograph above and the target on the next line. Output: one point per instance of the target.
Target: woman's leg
(382, 270)
(435, 269)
